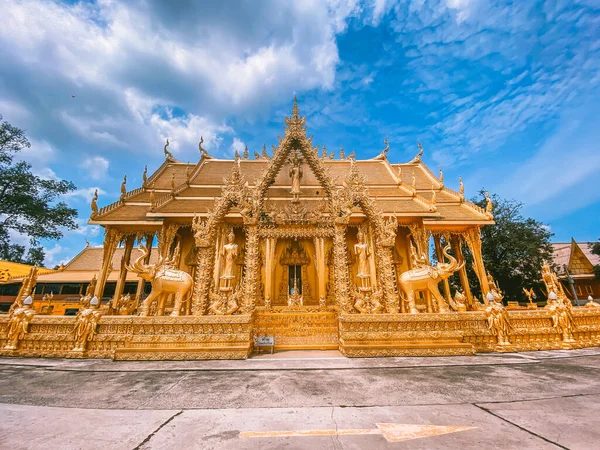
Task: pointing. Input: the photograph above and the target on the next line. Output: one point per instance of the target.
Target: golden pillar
(340, 263)
(111, 240)
(166, 238)
(251, 263)
(129, 240)
(462, 273)
(270, 243)
(440, 257)
(473, 239)
(206, 256)
(321, 268)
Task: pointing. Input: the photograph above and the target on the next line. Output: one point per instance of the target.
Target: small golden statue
(18, 323)
(498, 321)
(87, 323)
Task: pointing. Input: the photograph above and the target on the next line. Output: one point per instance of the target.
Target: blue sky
(505, 94)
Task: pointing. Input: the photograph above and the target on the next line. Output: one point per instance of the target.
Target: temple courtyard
(305, 399)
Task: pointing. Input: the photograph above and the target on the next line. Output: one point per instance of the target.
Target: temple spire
(295, 110)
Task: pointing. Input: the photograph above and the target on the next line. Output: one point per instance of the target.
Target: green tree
(29, 204)
(595, 247)
(513, 250)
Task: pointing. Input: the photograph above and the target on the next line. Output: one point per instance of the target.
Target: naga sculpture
(426, 278)
(165, 280)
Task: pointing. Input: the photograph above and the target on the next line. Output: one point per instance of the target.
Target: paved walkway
(304, 400)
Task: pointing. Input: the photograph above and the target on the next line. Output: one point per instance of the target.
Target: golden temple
(312, 249)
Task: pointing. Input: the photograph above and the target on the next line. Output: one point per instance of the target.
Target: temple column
(141, 281)
(440, 257)
(473, 239)
(129, 240)
(202, 282)
(340, 263)
(462, 273)
(166, 237)
(270, 243)
(386, 240)
(111, 240)
(321, 266)
(251, 263)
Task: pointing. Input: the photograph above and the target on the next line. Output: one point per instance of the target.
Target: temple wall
(360, 335)
(458, 333)
(138, 338)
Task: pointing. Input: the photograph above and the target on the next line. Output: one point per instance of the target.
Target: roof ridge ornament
(203, 151)
(383, 155)
(417, 158)
(168, 154)
(461, 190)
(441, 178)
(342, 153)
(145, 176)
(246, 152)
(124, 188)
(94, 204)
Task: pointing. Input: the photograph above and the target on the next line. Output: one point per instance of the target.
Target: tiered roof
(183, 190)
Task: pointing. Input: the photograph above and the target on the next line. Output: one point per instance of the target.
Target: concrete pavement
(528, 400)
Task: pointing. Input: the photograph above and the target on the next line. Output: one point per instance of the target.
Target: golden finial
(236, 156)
(352, 156)
(342, 153)
(145, 175)
(420, 151)
(94, 204)
(188, 174)
(387, 147)
(246, 153)
(461, 189)
(489, 205)
(123, 188)
(168, 154)
(324, 151)
(264, 153)
(204, 153)
(441, 176)
(295, 110)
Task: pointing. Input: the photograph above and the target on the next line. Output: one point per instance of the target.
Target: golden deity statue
(296, 175)
(362, 252)
(229, 252)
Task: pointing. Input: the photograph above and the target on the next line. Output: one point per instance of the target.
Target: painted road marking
(393, 432)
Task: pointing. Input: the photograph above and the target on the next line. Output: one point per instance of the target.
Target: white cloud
(84, 194)
(237, 146)
(95, 167)
(54, 256)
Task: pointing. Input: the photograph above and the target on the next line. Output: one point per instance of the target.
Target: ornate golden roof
(181, 190)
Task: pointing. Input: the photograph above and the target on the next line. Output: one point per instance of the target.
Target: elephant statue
(427, 278)
(165, 280)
